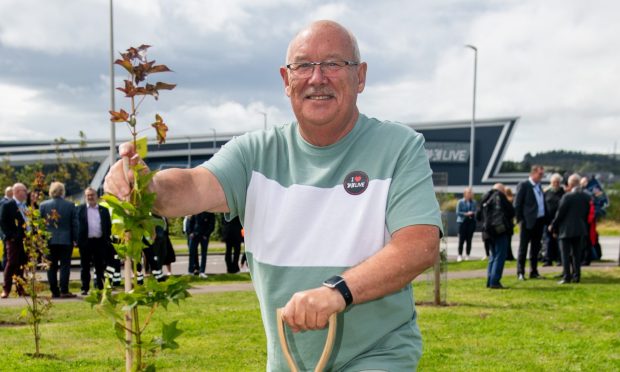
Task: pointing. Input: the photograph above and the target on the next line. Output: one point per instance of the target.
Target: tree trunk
(128, 318)
(437, 272)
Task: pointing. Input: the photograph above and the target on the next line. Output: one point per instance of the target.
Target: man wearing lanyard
(531, 213)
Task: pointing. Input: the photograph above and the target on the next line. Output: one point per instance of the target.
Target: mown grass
(476, 264)
(608, 227)
(536, 325)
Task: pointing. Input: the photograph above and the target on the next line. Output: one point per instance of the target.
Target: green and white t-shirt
(312, 212)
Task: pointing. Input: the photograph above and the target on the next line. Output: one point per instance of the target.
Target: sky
(553, 63)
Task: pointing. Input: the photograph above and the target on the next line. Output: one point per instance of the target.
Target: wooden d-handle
(327, 349)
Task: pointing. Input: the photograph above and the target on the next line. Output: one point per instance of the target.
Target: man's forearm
(182, 192)
(411, 251)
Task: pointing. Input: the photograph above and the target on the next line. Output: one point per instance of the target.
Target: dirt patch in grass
(4, 323)
(42, 356)
(431, 303)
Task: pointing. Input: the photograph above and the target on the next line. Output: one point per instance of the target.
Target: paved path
(247, 286)
(215, 265)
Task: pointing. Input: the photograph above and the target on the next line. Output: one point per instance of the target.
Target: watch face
(333, 281)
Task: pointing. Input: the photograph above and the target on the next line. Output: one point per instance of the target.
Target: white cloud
(52, 26)
(224, 117)
(554, 63)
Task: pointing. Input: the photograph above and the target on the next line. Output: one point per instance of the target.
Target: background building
(447, 145)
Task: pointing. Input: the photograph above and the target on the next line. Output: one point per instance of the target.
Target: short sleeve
(232, 168)
(411, 199)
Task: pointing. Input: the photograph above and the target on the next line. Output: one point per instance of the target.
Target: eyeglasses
(328, 68)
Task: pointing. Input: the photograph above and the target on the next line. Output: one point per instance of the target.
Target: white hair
(556, 176)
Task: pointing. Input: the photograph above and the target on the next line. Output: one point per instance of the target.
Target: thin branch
(148, 317)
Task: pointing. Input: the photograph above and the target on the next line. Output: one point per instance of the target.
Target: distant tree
(7, 173)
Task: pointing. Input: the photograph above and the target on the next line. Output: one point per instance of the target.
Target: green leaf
(94, 297)
(119, 332)
(168, 335)
(110, 311)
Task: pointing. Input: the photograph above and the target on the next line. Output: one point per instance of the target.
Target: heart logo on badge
(355, 182)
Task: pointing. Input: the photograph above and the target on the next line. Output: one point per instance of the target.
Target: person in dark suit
(8, 195)
(231, 234)
(201, 226)
(530, 212)
(12, 220)
(63, 237)
(552, 200)
(571, 226)
(94, 230)
(510, 196)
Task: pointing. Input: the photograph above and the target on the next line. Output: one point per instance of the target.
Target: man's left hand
(311, 309)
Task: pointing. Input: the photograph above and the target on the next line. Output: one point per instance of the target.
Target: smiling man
(338, 209)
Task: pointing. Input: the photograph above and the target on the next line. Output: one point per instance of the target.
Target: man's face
(20, 193)
(467, 194)
(555, 183)
(320, 100)
(91, 197)
(537, 175)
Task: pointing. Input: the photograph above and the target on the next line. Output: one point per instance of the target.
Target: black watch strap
(337, 282)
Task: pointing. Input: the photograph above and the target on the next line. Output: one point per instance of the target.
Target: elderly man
(12, 220)
(552, 200)
(338, 208)
(8, 195)
(531, 213)
(63, 236)
(571, 226)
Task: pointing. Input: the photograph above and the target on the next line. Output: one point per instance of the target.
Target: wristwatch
(337, 282)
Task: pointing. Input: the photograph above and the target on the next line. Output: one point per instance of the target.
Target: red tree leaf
(158, 68)
(119, 117)
(141, 71)
(126, 64)
(161, 128)
(129, 90)
(165, 86)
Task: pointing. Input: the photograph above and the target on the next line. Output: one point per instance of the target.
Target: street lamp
(214, 139)
(189, 152)
(265, 117)
(472, 136)
(112, 104)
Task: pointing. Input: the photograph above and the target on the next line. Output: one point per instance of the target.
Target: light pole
(472, 135)
(189, 152)
(265, 117)
(112, 104)
(214, 139)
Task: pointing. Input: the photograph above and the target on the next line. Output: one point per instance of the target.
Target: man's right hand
(119, 179)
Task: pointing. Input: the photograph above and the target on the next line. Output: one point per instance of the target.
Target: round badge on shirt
(355, 182)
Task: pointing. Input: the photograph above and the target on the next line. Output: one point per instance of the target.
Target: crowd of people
(88, 226)
(557, 225)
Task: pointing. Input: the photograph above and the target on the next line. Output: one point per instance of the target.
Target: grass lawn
(180, 246)
(608, 227)
(535, 325)
(478, 264)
